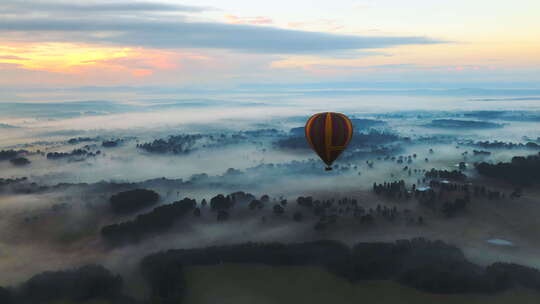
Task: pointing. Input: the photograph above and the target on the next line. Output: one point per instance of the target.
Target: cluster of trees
(399, 159)
(524, 171)
(468, 190)
(426, 265)
(450, 209)
(159, 219)
(187, 143)
(11, 154)
(446, 174)
(111, 143)
(19, 161)
(178, 144)
(329, 211)
(436, 193)
(481, 153)
(133, 200)
(87, 283)
(9, 181)
(78, 140)
(261, 133)
(222, 203)
(431, 266)
(77, 153)
(392, 189)
(162, 218)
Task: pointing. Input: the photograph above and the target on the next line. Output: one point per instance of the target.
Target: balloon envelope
(328, 134)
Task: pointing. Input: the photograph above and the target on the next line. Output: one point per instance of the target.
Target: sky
(210, 43)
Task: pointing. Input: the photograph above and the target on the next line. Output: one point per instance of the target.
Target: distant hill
(462, 124)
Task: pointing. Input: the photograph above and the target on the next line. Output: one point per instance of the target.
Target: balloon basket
(328, 169)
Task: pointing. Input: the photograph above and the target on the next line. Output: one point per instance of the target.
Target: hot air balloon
(328, 134)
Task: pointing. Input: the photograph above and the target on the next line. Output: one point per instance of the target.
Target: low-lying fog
(60, 226)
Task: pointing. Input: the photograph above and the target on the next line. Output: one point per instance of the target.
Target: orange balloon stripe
(328, 135)
(307, 129)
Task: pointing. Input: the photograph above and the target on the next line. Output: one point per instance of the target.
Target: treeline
(11, 154)
(87, 283)
(449, 198)
(111, 143)
(502, 145)
(133, 200)
(325, 212)
(8, 181)
(524, 171)
(19, 161)
(77, 153)
(429, 266)
(159, 219)
(481, 153)
(187, 143)
(78, 140)
(179, 144)
(164, 217)
(445, 174)
(392, 189)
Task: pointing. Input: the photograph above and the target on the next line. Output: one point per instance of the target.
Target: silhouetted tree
(133, 200)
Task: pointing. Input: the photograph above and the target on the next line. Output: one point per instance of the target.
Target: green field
(255, 284)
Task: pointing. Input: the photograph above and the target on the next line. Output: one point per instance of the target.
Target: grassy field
(250, 284)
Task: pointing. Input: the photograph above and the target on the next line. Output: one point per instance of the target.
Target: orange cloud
(72, 58)
(58, 57)
(141, 73)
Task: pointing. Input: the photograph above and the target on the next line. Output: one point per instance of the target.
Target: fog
(58, 226)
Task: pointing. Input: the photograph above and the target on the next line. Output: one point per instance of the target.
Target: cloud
(329, 25)
(11, 57)
(174, 33)
(16, 6)
(8, 66)
(150, 25)
(248, 20)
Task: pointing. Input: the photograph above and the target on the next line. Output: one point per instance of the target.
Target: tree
(255, 204)
(278, 209)
(221, 202)
(320, 226)
(19, 161)
(133, 200)
(165, 277)
(6, 296)
(222, 215)
(82, 284)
